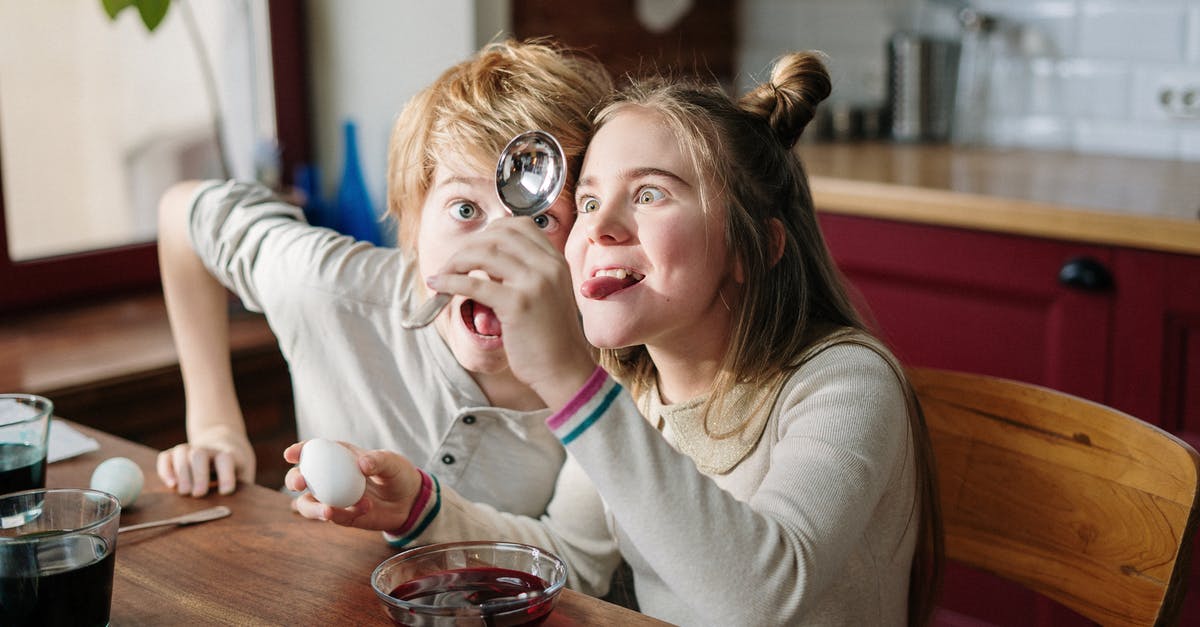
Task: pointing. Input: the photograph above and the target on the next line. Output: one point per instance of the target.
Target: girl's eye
(588, 204)
(647, 195)
(465, 211)
(545, 221)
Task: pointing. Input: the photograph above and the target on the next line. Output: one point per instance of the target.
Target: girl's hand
(530, 291)
(393, 484)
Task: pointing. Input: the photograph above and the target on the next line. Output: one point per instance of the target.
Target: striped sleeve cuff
(425, 508)
(585, 408)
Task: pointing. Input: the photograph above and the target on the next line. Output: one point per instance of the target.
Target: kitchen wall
(1096, 76)
(368, 57)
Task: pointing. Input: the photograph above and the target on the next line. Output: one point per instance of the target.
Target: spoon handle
(427, 312)
(200, 516)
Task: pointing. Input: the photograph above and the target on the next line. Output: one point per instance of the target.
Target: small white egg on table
(120, 477)
(331, 472)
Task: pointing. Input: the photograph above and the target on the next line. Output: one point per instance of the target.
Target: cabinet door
(979, 302)
(1156, 371)
(985, 303)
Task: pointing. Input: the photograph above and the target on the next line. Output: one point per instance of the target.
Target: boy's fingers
(226, 472)
(166, 471)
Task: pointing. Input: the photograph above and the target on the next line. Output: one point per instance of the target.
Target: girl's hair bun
(788, 102)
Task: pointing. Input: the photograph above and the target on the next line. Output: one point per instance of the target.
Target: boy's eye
(647, 195)
(588, 204)
(465, 211)
(545, 221)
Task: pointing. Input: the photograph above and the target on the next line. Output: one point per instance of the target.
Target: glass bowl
(470, 583)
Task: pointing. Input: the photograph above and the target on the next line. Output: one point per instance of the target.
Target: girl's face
(462, 200)
(648, 263)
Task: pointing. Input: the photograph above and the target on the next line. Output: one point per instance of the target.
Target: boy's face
(462, 200)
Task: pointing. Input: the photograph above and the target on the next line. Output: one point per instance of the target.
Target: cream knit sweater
(806, 517)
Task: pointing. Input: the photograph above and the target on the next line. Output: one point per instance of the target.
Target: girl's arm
(413, 508)
(842, 450)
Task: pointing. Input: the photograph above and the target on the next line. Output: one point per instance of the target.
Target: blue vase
(316, 210)
(356, 217)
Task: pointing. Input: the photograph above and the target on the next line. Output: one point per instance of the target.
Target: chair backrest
(1076, 501)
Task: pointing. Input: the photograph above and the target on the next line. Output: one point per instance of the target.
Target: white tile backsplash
(1193, 47)
(1121, 138)
(1094, 89)
(1189, 147)
(1081, 75)
(1133, 31)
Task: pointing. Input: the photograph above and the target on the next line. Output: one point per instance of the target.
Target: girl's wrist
(425, 507)
(567, 382)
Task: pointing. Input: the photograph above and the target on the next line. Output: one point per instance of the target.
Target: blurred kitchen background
(1115, 77)
(1012, 187)
(1119, 77)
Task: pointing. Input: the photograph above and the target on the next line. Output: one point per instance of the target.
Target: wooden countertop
(56, 350)
(263, 565)
(1152, 204)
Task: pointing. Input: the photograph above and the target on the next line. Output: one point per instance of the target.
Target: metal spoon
(531, 173)
(529, 177)
(199, 516)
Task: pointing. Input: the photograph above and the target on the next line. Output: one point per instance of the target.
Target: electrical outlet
(1179, 96)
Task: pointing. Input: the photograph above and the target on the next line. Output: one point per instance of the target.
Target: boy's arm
(197, 310)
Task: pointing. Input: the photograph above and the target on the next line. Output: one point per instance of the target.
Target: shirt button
(447, 459)
(468, 419)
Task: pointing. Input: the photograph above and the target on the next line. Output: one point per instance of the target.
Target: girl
(442, 395)
(763, 459)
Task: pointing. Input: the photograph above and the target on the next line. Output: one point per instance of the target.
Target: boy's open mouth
(607, 281)
(480, 319)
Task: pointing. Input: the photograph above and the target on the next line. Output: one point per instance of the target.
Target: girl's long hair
(793, 295)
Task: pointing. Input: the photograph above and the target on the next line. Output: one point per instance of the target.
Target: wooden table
(263, 565)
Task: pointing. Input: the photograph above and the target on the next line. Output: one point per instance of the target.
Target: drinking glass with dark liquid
(24, 435)
(57, 554)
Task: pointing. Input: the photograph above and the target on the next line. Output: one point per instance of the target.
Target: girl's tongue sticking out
(480, 319)
(604, 283)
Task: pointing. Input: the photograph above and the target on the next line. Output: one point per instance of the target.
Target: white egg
(331, 472)
(120, 477)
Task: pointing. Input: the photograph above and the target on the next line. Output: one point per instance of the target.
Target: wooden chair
(1076, 501)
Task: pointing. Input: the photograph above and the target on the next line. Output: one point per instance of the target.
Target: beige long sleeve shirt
(357, 375)
(807, 517)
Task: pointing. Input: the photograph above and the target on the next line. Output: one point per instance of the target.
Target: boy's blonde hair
(474, 108)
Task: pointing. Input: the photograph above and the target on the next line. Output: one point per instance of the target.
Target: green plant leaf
(113, 7)
(152, 12)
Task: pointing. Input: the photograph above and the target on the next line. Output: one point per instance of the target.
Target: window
(98, 117)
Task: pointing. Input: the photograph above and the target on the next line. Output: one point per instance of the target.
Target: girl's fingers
(524, 229)
(502, 262)
(294, 481)
(291, 454)
(309, 507)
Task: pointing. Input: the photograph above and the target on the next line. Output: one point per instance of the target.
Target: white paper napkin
(67, 441)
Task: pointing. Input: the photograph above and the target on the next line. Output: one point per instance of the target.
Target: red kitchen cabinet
(979, 302)
(1156, 366)
(1115, 325)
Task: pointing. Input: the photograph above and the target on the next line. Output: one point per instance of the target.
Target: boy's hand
(188, 467)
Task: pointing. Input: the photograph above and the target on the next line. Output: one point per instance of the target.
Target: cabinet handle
(1085, 273)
